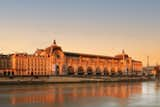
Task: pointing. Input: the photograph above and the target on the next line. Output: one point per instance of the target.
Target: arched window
(106, 72)
(70, 70)
(80, 70)
(89, 71)
(98, 71)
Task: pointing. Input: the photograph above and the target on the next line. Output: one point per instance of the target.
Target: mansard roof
(73, 54)
(4, 56)
(52, 48)
(49, 50)
(121, 56)
(137, 61)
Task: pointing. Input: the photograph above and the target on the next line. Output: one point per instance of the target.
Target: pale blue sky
(88, 26)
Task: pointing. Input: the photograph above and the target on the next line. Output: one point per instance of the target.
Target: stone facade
(5, 64)
(54, 61)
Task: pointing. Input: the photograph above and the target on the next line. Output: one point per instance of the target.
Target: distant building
(54, 61)
(149, 70)
(157, 70)
(5, 64)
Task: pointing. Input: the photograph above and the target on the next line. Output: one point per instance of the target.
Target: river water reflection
(145, 94)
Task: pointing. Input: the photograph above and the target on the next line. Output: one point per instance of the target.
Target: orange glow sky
(102, 27)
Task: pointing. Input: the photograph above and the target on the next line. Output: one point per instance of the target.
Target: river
(136, 94)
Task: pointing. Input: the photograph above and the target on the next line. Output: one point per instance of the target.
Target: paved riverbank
(67, 79)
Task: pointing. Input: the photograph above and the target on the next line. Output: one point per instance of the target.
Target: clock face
(58, 54)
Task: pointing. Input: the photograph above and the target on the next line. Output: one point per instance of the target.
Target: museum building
(54, 61)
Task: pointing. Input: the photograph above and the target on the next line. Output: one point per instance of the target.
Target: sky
(102, 27)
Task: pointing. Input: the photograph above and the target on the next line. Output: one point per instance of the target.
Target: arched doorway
(57, 70)
(80, 71)
(32, 74)
(5, 73)
(9, 73)
(89, 71)
(120, 73)
(106, 72)
(98, 71)
(113, 72)
(12, 73)
(70, 70)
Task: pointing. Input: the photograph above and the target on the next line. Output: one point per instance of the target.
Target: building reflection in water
(60, 94)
